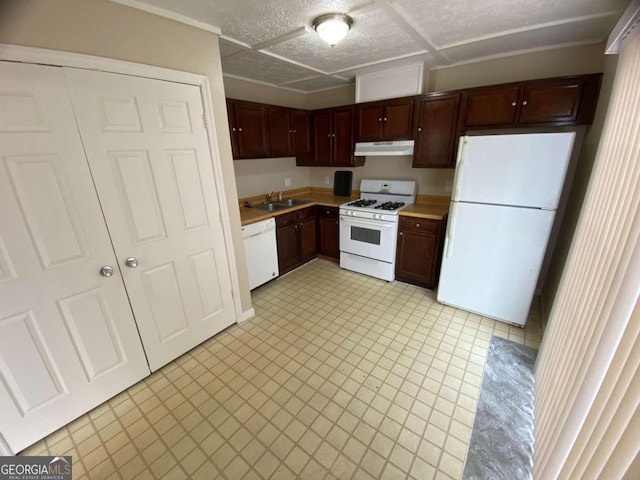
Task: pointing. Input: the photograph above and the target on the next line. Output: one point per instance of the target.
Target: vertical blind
(587, 381)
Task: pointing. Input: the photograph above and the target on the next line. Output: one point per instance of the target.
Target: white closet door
(149, 156)
(68, 340)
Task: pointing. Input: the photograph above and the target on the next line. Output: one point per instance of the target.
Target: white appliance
(506, 191)
(261, 252)
(369, 227)
(385, 149)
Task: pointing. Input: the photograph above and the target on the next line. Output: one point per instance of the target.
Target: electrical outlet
(448, 186)
(326, 179)
(287, 182)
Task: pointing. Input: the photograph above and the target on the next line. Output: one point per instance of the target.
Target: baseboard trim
(247, 315)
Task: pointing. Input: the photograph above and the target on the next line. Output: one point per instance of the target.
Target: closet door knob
(131, 262)
(106, 271)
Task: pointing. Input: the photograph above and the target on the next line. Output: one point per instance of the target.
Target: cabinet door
(492, 106)
(232, 129)
(419, 250)
(149, 155)
(369, 121)
(308, 242)
(280, 132)
(68, 340)
(397, 121)
(288, 247)
(322, 139)
(328, 235)
(300, 137)
(343, 136)
(437, 131)
(551, 102)
(251, 131)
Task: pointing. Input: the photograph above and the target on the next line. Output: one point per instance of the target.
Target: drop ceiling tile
(228, 48)
(373, 37)
(451, 22)
(548, 37)
(257, 66)
(319, 83)
(255, 21)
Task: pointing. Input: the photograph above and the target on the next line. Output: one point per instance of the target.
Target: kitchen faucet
(269, 197)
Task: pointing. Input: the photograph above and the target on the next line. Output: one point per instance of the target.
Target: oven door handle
(372, 224)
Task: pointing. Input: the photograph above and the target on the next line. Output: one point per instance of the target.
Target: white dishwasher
(261, 251)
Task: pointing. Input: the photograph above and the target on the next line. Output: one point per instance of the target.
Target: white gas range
(369, 227)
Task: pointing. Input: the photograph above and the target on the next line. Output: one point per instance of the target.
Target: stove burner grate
(361, 203)
(390, 206)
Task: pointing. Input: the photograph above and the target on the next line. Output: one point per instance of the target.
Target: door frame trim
(5, 451)
(57, 58)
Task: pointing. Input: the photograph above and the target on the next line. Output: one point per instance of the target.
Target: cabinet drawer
(419, 224)
(327, 212)
(286, 219)
(305, 213)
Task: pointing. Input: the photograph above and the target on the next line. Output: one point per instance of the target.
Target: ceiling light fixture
(332, 27)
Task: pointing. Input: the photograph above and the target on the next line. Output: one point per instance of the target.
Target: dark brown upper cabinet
(549, 102)
(248, 125)
(385, 120)
(259, 130)
(288, 132)
(332, 139)
(437, 130)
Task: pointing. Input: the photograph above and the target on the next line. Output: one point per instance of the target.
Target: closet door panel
(152, 168)
(68, 340)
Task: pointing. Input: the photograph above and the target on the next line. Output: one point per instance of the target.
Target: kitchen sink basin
(270, 207)
(280, 204)
(291, 202)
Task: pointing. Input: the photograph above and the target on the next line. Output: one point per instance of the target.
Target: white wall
(430, 181)
(257, 177)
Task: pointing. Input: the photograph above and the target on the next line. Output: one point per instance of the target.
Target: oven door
(368, 238)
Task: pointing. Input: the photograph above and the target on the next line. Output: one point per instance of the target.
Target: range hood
(378, 149)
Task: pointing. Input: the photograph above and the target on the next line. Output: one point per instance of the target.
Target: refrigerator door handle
(451, 228)
(459, 171)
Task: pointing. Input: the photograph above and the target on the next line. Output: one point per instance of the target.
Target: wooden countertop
(316, 196)
(426, 206)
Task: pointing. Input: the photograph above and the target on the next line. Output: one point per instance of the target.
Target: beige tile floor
(339, 376)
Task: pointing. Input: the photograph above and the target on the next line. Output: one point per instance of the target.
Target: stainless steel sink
(292, 202)
(280, 204)
(270, 207)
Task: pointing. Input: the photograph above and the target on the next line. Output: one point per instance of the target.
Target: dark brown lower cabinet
(419, 251)
(296, 238)
(328, 233)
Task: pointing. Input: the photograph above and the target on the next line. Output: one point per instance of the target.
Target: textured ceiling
(272, 41)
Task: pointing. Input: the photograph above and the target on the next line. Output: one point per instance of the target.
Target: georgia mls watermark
(35, 468)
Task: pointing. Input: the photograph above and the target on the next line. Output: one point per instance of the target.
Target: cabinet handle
(239, 129)
(401, 233)
(380, 119)
(327, 212)
(524, 103)
(417, 225)
(419, 129)
(385, 119)
(294, 131)
(233, 129)
(513, 104)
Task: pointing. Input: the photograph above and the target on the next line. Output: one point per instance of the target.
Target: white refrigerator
(505, 196)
